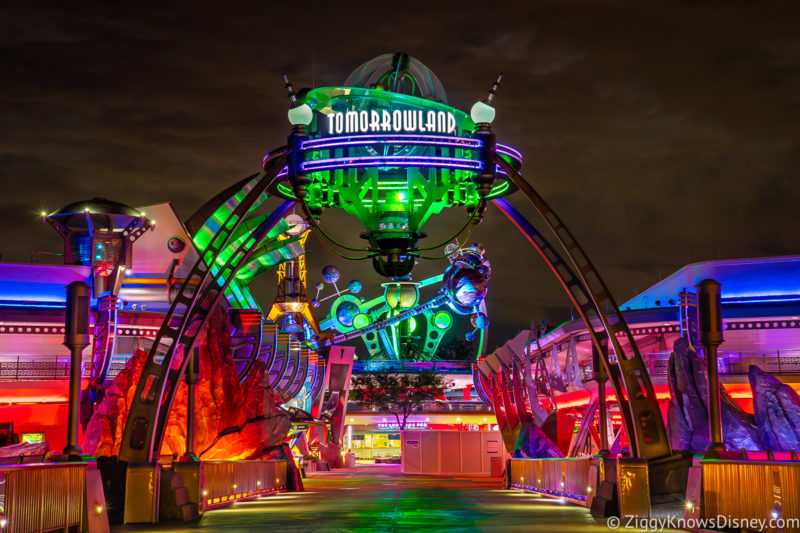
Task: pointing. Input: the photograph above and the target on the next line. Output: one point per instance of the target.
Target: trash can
(350, 460)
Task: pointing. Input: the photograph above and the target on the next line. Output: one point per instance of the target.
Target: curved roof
(103, 212)
(399, 73)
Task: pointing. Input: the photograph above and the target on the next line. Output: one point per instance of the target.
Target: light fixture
(300, 115)
(482, 112)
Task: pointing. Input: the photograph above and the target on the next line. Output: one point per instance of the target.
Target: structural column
(191, 380)
(76, 338)
(601, 378)
(709, 315)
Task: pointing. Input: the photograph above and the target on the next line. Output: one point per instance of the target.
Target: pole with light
(76, 338)
(482, 114)
(709, 317)
(300, 116)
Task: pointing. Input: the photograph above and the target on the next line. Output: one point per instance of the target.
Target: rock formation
(777, 411)
(232, 420)
(533, 443)
(24, 448)
(687, 418)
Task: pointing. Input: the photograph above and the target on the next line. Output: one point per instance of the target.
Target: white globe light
(300, 115)
(482, 112)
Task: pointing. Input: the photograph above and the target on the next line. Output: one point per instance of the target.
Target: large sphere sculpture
(330, 274)
(354, 286)
(346, 312)
(466, 280)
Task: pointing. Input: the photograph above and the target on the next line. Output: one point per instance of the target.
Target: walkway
(380, 498)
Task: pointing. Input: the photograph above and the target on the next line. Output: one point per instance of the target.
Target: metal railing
(41, 497)
(728, 363)
(228, 481)
(566, 478)
(38, 368)
(752, 490)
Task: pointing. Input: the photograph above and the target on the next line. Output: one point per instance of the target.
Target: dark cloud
(662, 132)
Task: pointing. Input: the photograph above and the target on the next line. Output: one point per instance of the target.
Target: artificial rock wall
(232, 420)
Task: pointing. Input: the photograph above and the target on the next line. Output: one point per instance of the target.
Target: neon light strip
(389, 161)
(335, 142)
(507, 150)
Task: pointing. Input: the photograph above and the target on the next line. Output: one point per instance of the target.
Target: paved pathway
(380, 498)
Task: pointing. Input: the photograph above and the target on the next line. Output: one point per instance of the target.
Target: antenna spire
(493, 91)
(288, 86)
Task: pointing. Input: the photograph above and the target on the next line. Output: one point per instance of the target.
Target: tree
(399, 394)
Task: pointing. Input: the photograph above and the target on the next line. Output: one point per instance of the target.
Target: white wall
(449, 452)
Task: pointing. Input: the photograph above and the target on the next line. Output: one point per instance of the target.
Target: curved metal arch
(289, 375)
(629, 377)
(247, 340)
(295, 383)
(198, 295)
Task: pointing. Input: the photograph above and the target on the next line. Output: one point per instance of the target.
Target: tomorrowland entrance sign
(397, 121)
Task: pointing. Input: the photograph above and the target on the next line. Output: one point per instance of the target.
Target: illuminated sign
(33, 438)
(397, 121)
(409, 425)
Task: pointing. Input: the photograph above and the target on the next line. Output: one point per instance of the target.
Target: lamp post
(600, 377)
(482, 114)
(76, 338)
(300, 116)
(709, 317)
(191, 380)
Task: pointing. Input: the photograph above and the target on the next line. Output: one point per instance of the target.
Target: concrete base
(142, 488)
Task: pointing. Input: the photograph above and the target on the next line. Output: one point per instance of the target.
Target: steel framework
(202, 289)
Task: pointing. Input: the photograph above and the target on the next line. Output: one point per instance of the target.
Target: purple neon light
(438, 140)
(387, 161)
(507, 150)
(435, 140)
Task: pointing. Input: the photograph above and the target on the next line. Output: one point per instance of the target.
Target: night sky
(662, 132)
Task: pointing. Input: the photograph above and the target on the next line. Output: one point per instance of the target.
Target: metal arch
(189, 311)
(570, 283)
(281, 359)
(299, 376)
(316, 382)
(269, 345)
(208, 299)
(590, 295)
(283, 386)
(247, 341)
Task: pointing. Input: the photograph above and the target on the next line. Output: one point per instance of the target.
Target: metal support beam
(709, 314)
(198, 295)
(629, 377)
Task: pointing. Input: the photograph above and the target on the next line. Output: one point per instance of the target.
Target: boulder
(687, 417)
(250, 441)
(24, 448)
(232, 420)
(533, 443)
(777, 411)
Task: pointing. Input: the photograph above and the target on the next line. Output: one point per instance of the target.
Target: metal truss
(629, 378)
(189, 312)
